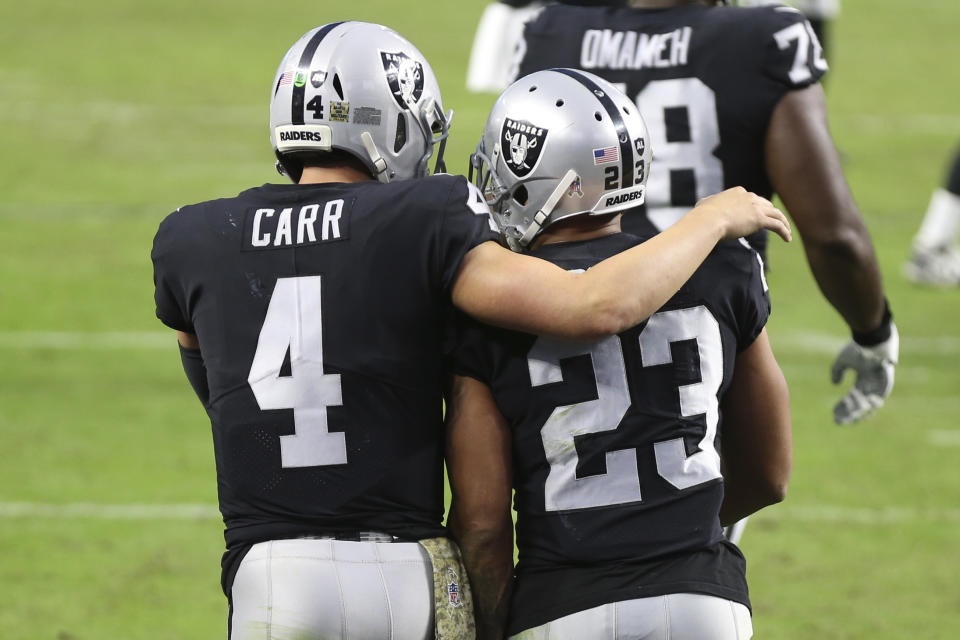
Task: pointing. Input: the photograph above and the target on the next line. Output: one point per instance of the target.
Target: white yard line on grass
(863, 515)
(944, 437)
(108, 511)
(927, 123)
(811, 341)
(798, 513)
(87, 339)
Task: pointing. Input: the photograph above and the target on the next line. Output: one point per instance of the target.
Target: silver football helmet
(360, 88)
(560, 143)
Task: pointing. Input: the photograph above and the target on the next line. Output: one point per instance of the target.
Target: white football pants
(310, 589)
(677, 616)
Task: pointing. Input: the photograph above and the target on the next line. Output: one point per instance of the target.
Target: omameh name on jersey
(605, 48)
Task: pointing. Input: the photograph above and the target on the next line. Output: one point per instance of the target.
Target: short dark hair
(293, 162)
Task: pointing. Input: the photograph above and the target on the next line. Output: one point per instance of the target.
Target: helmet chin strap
(380, 171)
(537, 225)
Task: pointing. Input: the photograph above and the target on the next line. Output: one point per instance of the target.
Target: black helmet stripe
(623, 136)
(296, 104)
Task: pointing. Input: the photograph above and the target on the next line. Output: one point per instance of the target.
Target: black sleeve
(466, 222)
(467, 351)
(754, 301)
(168, 289)
(792, 55)
(196, 372)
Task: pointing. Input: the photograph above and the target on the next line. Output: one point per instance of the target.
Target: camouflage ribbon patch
(453, 603)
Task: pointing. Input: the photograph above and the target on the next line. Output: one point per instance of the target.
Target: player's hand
(742, 213)
(875, 368)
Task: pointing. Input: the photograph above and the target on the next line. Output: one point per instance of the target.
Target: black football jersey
(319, 311)
(616, 443)
(706, 80)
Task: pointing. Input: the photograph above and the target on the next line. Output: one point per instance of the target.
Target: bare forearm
(488, 557)
(756, 436)
(531, 295)
(478, 464)
(849, 278)
(629, 287)
(741, 499)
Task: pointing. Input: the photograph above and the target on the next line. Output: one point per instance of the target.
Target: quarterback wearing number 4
(612, 445)
(310, 319)
(732, 96)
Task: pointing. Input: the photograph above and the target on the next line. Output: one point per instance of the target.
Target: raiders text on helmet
(363, 89)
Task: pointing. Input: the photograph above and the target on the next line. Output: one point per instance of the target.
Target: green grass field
(114, 113)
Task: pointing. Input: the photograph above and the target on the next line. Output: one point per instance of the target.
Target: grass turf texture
(113, 113)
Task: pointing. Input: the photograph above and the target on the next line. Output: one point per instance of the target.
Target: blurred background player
(498, 34)
(613, 445)
(501, 28)
(310, 319)
(732, 96)
(936, 258)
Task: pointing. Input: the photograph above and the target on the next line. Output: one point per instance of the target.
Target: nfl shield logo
(523, 143)
(453, 589)
(405, 77)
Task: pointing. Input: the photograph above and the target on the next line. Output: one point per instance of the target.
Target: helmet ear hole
(401, 138)
(520, 195)
(560, 102)
(597, 115)
(337, 86)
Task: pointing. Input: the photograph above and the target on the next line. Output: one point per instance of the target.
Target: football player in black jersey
(310, 319)
(732, 96)
(613, 446)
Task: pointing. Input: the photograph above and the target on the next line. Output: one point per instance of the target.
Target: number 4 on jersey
(294, 323)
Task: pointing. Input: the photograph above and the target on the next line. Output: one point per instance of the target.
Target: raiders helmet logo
(523, 142)
(405, 77)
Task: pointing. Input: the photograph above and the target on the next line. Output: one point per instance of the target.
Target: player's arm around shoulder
(478, 455)
(528, 294)
(757, 433)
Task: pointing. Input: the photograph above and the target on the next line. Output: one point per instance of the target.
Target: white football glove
(875, 367)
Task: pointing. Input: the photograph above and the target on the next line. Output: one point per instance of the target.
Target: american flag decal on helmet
(603, 156)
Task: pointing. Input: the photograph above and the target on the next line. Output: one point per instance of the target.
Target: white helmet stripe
(303, 70)
(623, 137)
